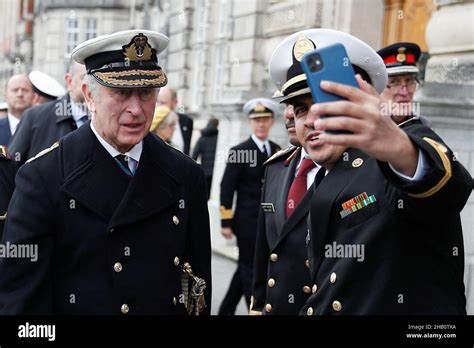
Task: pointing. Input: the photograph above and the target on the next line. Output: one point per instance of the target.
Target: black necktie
(123, 164)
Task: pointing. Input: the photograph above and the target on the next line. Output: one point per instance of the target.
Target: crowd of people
(98, 176)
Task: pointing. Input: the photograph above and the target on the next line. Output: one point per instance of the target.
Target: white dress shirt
(13, 121)
(78, 111)
(263, 145)
(177, 139)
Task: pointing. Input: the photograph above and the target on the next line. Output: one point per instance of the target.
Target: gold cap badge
(401, 56)
(138, 49)
(302, 45)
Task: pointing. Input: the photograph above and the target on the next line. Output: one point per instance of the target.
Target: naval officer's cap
(125, 59)
(260, 107)
(401, 58)
(288, 76)
(45, 85)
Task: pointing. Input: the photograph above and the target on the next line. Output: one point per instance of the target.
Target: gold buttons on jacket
(333, 277)
(306, 289)
(306, 263)
(309, 311)
(273, 257)
(175, 220)
(337, 306)
(268, 307)
(118, 267)
(111, 230)
(357, 162)
(176, 261)
(315, 288)
(175, 301)
(124, 309)
(271, 282)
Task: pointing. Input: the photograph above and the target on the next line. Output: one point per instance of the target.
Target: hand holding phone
(328, 63)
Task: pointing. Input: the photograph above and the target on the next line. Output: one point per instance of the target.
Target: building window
(200, 47)
(91, 28)
(221, 50)
(72, 34)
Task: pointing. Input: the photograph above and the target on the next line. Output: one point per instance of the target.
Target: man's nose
(134, 104)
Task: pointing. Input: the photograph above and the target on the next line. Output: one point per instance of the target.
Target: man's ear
(68, 79)
(88, 98)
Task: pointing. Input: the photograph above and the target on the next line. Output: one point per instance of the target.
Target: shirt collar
(304, 155)
(77, 110)
(13, 121)
(261, 144)
(135, 152)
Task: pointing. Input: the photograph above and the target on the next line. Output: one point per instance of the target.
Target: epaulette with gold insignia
(4, 152)
(279, 155)
(44, 152)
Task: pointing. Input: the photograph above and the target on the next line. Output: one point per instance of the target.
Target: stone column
(447, 99)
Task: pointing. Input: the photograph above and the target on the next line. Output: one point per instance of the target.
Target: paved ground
(223, 269)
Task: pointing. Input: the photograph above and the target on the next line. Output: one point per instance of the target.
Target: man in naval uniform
(41, 126)
(243, 175)
(118, 216)
(385, 232)
(281, 283)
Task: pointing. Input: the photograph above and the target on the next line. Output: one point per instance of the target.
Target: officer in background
(19, 96)
(400, 60)
(184, 130)
(244, 175)
(45, 87)
(118, 216)
(43, 125)
(385, 232)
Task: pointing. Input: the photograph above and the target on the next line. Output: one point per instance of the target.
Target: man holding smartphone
(385, 234)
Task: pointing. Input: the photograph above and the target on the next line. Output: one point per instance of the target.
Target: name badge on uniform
(268, 207)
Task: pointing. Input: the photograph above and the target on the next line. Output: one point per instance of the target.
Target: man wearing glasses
(400, 60)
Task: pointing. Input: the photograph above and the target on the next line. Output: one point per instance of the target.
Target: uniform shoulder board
(409, 122)
(280, 154)
(44, 152)
(4, 155)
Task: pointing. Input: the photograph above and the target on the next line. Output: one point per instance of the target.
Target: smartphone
(328, 63)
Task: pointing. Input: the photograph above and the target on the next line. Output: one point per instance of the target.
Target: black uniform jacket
(107, 244)
(281, 274)
(243, 174)
(40, 127)
(402, 253)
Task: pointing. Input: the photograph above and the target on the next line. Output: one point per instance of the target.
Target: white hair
(92, 85)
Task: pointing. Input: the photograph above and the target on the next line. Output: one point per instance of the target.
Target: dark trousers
(209, 183)
(241, 284)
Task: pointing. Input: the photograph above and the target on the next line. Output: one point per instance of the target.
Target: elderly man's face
(323, 154)
(122, 116)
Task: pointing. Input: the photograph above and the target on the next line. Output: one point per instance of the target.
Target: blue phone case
(336, 67)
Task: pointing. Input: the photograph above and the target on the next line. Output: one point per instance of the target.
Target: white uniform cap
(46, 85)
(285, 69)
(125, 59)
(260, 107)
